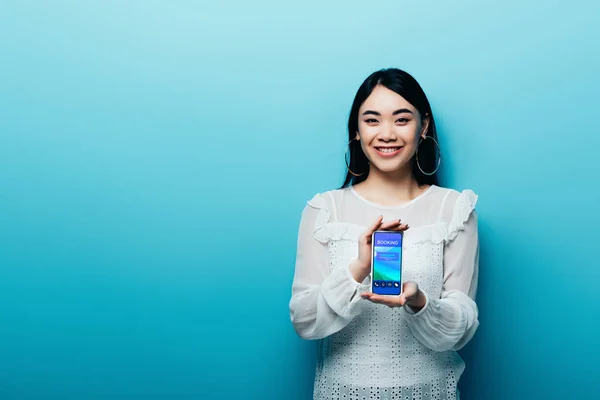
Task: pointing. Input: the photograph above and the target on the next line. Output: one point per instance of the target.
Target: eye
(371, 121)
(402, 120)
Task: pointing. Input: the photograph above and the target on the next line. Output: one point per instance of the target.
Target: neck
(390, 188)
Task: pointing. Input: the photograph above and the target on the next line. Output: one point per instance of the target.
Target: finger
(399, 228)
(375, 224)
(409, 292)
(402, 300)
(391, 224)
(367, 234)
(394, 226)
(409, 288)
(369, 297)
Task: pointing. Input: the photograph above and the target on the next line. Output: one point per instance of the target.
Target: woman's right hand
(361, 266)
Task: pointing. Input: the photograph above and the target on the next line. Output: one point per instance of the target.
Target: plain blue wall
(155, 158)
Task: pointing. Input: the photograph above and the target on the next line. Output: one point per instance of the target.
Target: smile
(388, 151)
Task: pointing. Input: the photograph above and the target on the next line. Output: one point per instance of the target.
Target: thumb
(409, 289)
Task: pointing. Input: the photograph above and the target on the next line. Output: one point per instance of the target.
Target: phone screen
(387, 263)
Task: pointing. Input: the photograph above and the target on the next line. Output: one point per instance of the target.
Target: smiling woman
(390, 106)
(388, 346)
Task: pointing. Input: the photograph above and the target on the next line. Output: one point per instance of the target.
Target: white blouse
(370, 351)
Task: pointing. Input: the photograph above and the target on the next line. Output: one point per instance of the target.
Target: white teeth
(388, 149)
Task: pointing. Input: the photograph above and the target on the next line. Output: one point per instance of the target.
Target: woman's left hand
(411, 296)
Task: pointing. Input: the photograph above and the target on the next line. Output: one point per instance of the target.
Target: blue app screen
(387, 262)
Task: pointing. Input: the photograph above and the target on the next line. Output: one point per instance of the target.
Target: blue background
(136, 136)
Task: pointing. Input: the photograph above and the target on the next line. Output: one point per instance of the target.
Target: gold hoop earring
(439, 151)
(346, 159)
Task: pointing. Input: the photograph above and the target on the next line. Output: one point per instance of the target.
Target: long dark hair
(406, 86)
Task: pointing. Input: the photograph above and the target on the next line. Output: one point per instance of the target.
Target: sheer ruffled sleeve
(322, 302)
(448, 323)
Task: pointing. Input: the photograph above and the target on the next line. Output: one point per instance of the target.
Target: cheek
(365, 148)
(368, 133)
(414, 142)
(410, 137)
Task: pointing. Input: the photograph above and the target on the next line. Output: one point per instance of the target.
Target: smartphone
(386, 262)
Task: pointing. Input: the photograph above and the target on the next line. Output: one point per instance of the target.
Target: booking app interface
(387, 262)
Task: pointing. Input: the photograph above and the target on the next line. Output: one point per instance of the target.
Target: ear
(357, 136)
(425, 126)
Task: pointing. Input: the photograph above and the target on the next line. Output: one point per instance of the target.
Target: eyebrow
(400, 111)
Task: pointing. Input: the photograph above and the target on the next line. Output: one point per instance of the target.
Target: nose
(387, 132)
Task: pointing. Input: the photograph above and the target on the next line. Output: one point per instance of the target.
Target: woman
(388, 347)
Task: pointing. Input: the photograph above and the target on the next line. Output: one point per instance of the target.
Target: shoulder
(327, 199)
(452, 198)
(320, 210)
(457, 208)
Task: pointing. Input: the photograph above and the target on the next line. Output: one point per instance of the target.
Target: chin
(389, 165)
(387, 168)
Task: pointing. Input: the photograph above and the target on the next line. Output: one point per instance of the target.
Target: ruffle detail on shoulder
(318, 202)
(445, 231)
(325, 229)
(342, 231)
(465, 204)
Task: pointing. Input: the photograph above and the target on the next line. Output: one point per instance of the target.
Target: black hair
(406, 86)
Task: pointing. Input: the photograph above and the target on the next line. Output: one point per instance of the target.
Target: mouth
(388, 151)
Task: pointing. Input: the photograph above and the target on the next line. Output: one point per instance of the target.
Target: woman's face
(389, 129)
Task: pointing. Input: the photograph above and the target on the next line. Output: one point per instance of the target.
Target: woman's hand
(360, 268)
(411, 296)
